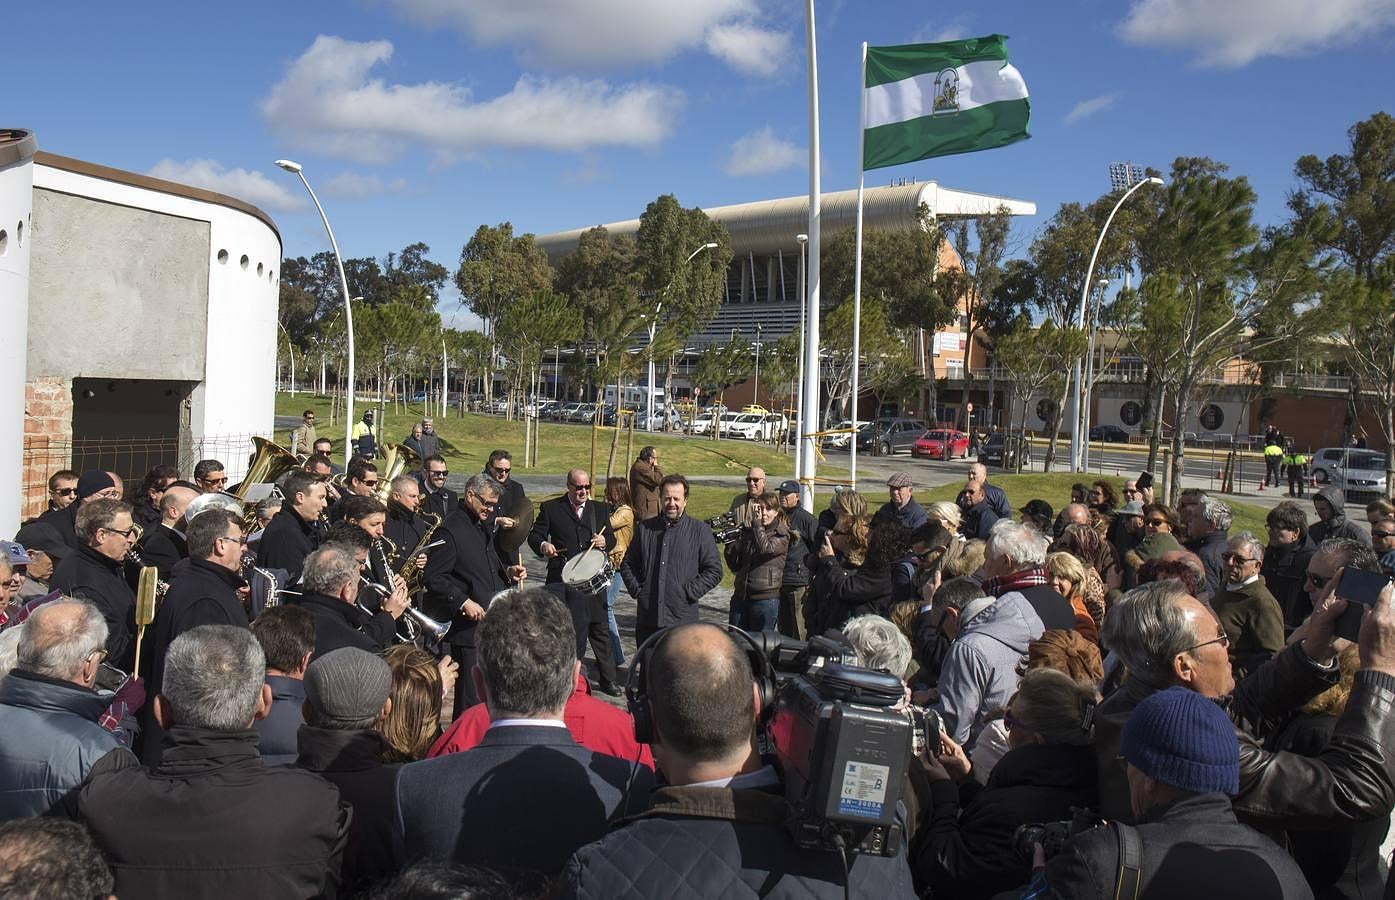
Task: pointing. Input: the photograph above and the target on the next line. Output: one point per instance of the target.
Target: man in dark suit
(566, 527)
(435, 496)
(295, 530)
(163, 544)
(513, 515)
(528, 796)
(96, 573)
(463, 574)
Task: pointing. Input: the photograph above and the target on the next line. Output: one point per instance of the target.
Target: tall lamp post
(803, 241)
(295, 168)
(290, 351)
(755, 391)
(653, 326)
(1079, 393)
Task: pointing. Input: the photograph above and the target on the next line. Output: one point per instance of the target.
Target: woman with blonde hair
(414, 721)
(946, 513)
(852, 571)
(622, 525)
(1066, 575)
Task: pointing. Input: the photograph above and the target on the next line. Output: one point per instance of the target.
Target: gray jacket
(49, 739)
(979, 673)
(1339, 526)
(668, 568)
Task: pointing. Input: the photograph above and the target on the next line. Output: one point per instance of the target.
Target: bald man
(164, 545)
(566, 527)
(705, 709)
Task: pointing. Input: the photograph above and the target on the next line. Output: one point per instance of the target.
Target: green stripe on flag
(887, 64)
(980, 128)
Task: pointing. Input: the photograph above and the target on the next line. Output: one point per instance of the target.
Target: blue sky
(422, 119)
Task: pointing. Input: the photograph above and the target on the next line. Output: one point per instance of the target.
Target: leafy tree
(981, 246)
(469, 351)
(412, 278)
(1037, 359)
(878, 342)
(898, 271)
(497, 268)
(721, 367)
(691, 291)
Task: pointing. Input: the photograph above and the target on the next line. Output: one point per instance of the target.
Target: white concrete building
(151, 321)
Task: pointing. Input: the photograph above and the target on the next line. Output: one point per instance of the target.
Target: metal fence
(129, 456)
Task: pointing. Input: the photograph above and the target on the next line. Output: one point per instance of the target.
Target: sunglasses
(66, 492)
(1236, 557)
(580, 487)
(368, 483)
(438, 472)
(501, 471)
(223, 480)
(927, 554)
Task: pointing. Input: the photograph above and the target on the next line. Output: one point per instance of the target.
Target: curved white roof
(766, 226)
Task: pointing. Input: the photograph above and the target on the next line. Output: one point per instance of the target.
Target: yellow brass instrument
(409, 571)
(146, 591)
(269, 463)
(398, 460)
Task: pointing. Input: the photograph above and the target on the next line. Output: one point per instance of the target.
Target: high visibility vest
(1295, 459)
(1273, 450)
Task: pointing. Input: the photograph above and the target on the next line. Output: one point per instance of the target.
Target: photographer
(757, 558)
(1049, 768)
(1182, 765)
(720, 826)
(1166, 638)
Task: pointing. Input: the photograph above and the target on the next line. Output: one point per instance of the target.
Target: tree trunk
(1179, 443)
(1056, 428)
(615, 435)
(1154, 398)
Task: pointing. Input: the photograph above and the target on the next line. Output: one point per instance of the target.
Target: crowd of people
(1124, 697)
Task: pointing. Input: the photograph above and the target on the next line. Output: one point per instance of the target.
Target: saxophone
(409, 571)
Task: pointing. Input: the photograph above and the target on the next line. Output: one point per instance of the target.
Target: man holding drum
(572, 531)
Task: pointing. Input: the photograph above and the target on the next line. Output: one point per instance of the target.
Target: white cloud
(762, 153)
(355, 184)
(252, 187)
(1233, 33)
(955, 30)
(749, 48)
(1086, 108)
(605, 33)
(328, 101)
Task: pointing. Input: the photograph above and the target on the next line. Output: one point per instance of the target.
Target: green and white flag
(925, 100)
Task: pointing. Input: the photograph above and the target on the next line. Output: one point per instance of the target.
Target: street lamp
(653, 326)
(1075, 456)
(803, 241)
(295, 168)
(290, 351)
(1089, 385)
(755, 392)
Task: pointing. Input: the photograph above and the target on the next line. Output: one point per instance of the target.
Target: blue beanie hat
(1184, 740)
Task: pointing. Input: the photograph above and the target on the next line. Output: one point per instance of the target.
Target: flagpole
(808, 416)
(857, 270)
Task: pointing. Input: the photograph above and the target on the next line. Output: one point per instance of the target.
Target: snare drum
(590, 572)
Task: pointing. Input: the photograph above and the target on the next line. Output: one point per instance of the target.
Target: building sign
(1130, 413)
(1211, 417)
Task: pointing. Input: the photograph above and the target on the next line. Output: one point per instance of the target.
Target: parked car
(1002, 450)
(941, 443)
(661, 418)
(1111, 433)
(840, 441)
(704, 424)
(890, 435)
(584, 412)
(739, 424)
(1356, 472)
(756, 427)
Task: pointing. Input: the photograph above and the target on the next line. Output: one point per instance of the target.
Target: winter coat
(968, 853)
(213, 821)
(1353, 779)
(758, 559)
(702, 842)
(912, 515)
(670, 566)
(49, 740)
(1210, 548)
(352, 761)
(1252, 620)
(102, 581)
(1339, 526)
(279, 731)
(803, 529)
(622, 522)
(1284, 570)
(1192, 848)
(644, 488)
(979, 673)
(841, 591)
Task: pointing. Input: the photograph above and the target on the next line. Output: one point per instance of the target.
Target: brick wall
(48, 435)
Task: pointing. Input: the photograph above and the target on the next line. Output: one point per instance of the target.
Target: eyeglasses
(498, 470)
(580, 487)
(1378, 535)
(1223, 640)
(754, 480)
(442, 473)
(66, 492)
(368, 483)
(1318, 581)
(129, 534)
(100, 653)
(1236, 557)
(223, 480)
(227, 537)
(926, 554)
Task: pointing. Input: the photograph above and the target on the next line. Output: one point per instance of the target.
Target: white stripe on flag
(980, 83)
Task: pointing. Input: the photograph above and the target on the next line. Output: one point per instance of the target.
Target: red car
(941, 443)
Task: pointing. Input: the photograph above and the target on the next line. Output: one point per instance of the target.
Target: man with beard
(95, 573)
(672, 562)
(435, 496)
(463, 574)
(93, 485)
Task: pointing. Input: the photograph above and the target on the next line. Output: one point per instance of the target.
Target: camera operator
(721, 822)
(757, 558)
(1048, 769)
(1165, 638)
(1182, 765)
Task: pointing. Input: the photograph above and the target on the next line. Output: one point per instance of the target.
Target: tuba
(399, 459)
(269, 462)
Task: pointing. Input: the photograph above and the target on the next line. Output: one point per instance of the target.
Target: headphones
(637, 685)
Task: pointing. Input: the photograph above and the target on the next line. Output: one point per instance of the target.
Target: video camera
(725, 528)
(842, 748)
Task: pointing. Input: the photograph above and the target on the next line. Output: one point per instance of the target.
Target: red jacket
(594, 724)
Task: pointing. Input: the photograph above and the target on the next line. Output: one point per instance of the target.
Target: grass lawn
(470, 438)
(1054, 488)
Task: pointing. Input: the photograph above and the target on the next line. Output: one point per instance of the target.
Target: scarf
(1032, 577)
